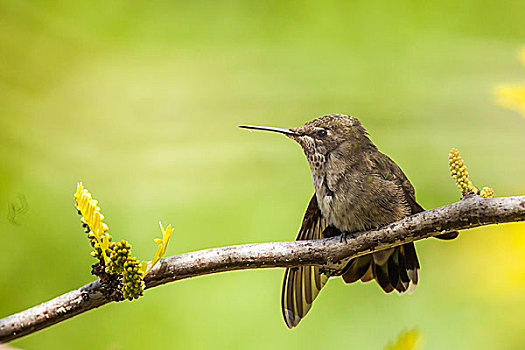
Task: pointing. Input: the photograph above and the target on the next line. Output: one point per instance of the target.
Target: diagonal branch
(470, 212)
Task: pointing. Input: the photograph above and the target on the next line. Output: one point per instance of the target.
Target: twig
(468, 213)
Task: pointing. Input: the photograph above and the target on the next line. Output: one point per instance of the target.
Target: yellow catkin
(458, 170)
(120, 252)
(132, 279)
(487, 192)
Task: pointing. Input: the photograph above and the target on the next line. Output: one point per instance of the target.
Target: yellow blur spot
(407, 340)
(512, 96)
(495, 259)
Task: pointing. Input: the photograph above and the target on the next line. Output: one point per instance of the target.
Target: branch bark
(468, 213)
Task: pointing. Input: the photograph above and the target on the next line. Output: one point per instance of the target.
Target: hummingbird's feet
(343, 237)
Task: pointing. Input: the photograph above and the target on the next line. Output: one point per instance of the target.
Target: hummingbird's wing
(396, 268)
(301, 285)
(397, 175)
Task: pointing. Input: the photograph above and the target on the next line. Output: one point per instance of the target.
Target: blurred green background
(140, 101)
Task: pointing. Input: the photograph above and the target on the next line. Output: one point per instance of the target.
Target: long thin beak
(270, 128)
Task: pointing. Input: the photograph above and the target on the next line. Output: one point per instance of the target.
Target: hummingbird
(357, 188)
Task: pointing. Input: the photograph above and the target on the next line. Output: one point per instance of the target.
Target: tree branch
(472, 211)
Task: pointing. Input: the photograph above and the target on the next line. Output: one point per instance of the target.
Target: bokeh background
(140, 101)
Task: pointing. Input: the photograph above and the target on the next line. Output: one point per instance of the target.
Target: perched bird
(357, 188)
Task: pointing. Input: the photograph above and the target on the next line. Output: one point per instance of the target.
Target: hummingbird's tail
(301, 285)
(393, 269)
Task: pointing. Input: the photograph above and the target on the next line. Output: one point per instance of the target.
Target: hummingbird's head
(324, 134)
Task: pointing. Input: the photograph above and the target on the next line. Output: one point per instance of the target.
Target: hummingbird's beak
(287, 132)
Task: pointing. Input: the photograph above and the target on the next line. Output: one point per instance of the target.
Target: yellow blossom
(91, 216)
(115, 257)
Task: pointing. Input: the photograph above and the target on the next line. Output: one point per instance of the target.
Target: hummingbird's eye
(322, 133)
